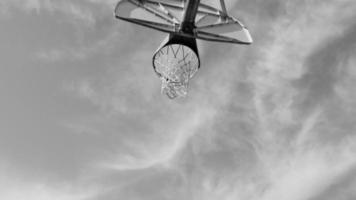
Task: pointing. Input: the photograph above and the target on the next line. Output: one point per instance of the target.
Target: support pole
(191, 9)
(223, 6)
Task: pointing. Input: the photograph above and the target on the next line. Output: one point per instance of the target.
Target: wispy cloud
(74, 11)
(309, 172)
(162, 152)
(16, 186)
(296, 155)
(78, 52)
(275, 120)
(291, 158)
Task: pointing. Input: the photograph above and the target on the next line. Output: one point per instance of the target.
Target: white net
(176, 64)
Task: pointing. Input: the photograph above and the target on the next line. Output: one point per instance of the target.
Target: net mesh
(176, 65)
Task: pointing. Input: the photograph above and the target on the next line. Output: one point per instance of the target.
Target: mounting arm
(191, 9)
(223, 6)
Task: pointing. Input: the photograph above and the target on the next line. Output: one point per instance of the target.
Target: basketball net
(177, 84)
(175, 74)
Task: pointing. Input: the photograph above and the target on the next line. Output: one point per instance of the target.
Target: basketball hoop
(175, 64)
(177, 59)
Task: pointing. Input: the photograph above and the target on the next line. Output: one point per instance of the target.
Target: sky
(82, 116)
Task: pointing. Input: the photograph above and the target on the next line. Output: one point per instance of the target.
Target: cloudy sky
(82, 117)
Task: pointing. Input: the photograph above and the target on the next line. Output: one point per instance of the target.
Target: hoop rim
(154, 58)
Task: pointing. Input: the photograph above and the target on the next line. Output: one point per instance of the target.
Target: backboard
(211, 23)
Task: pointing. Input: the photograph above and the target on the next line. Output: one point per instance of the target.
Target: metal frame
(176, 26)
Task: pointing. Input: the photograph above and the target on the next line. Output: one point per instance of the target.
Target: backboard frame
(161, 10)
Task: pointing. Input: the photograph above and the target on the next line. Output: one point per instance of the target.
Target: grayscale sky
(82, 117)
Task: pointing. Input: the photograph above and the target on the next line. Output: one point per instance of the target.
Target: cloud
(78, 53)
(297, 159)
(343, 188)
(170, 143)
(291, 158)
(282, 61)
(14, 186)
(309, 171)
(280, 171)
(79, 12)
(274, 120)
